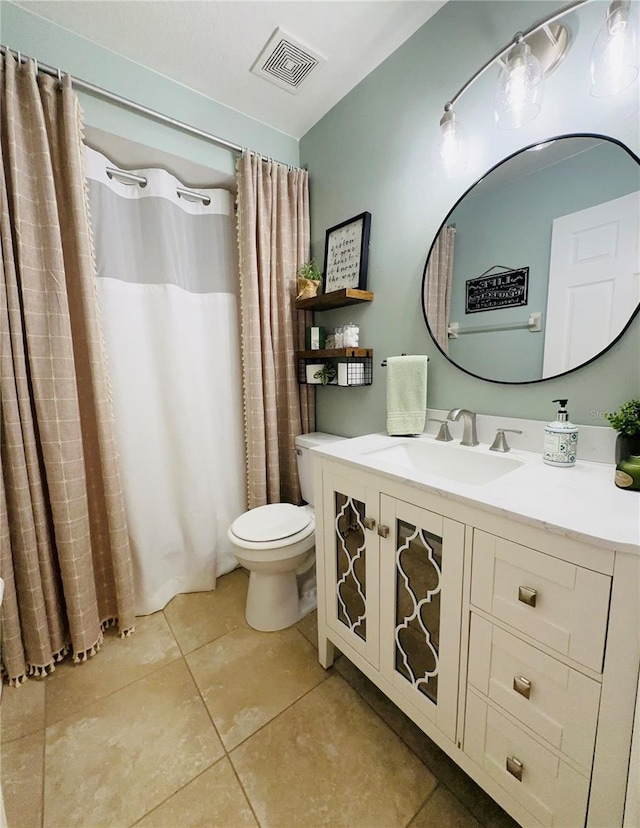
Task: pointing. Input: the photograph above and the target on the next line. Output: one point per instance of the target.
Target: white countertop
(581, 502)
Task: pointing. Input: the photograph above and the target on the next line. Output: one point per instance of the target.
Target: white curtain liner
(174, 363)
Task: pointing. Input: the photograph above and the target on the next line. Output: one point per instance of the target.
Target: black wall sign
(508, 289)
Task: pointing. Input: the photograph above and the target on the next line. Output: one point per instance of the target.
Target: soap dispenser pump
(560, 439)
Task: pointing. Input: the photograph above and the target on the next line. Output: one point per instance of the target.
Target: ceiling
(211, 45)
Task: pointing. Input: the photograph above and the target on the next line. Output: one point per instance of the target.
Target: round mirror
(535, 271)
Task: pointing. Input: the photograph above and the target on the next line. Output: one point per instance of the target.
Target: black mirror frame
(464, 195)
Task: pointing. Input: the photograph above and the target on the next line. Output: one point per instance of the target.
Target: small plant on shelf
(326, 374)
(309, 279)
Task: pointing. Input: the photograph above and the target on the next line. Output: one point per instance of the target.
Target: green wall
(375, 151)
(56, 46)
(601, 174)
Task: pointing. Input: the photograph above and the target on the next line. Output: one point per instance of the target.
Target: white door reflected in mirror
(594, 279)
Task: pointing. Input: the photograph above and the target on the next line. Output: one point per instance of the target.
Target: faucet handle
(444, 435)
(500, 441)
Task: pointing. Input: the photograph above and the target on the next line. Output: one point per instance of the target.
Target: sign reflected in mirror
(568, 211)
(505, 289)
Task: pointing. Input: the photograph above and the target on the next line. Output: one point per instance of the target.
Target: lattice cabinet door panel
(421, 562)
(351, 563)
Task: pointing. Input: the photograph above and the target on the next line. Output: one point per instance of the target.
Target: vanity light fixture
(614, 57)
(453, 148)
(520, 87)
(532, 56)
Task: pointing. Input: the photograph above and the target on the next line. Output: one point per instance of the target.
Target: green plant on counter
(626, 419)
(326, 374)
(310, 270)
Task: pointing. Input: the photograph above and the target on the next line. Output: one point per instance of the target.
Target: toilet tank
(305, 442)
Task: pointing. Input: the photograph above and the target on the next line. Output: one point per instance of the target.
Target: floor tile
(443, 810)
(308, 626)
(120, 661)
(22, 709)
(213, 800)
(114, 761)
(22, 763)
(481, 805)
(199, 617)
(349, 768)
(248, 677)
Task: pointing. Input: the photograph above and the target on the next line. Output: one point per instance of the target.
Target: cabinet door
(351, 563)
(420, 608)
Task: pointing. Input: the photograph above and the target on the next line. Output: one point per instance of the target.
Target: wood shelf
(336, 353)
(335, 299)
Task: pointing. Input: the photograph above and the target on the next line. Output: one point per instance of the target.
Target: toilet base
(272, 601)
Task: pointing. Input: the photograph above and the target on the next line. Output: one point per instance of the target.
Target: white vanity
(496, 602)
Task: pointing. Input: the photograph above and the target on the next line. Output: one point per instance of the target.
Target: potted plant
(309, 279)
(626, 420)
(327, 374)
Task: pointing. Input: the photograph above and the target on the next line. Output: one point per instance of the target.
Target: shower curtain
(167, 278)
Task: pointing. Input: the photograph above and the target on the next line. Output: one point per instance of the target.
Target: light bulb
(520, 88)
(453, 146)
(614, 56)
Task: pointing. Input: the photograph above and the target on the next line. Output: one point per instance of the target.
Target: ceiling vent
(286, 62)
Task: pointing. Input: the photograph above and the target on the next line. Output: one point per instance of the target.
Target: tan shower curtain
(438, 285)
(273, 237)
(64, 545)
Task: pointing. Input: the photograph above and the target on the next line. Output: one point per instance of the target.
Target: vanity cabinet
(351, 563)
(531, 715)
(392, 591)
(515, 649)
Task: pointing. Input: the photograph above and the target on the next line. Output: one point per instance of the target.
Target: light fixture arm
(519, 37)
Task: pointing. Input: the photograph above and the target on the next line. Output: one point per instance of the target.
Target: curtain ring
(59, 76)
(19, 57)
(35, 66)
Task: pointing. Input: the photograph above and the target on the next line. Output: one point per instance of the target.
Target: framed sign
(346, 254)
(508, 289)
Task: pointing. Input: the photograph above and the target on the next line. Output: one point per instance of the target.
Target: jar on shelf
(350, 335)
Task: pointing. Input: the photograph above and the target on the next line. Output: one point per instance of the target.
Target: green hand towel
(406, 394)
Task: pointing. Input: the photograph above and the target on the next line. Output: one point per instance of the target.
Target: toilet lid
(270, 523)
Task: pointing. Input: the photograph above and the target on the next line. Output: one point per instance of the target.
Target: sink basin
(464, 465)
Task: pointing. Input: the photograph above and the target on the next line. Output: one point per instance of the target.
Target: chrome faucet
(469, 433)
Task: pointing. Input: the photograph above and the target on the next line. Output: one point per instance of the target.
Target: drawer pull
(522, 685)
(369, 523)
(527, 595)
(383, 531)
(515, 767)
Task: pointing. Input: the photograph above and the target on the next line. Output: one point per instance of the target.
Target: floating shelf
(354, 365)
(335, 299)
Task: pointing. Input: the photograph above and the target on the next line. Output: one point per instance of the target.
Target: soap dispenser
(560, 439)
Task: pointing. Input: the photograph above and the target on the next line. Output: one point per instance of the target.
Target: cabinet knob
(383, 531)
(515, 767)
(522, 685)
(369, 523)
(527, 595)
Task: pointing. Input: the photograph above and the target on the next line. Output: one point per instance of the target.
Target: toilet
(276, 543)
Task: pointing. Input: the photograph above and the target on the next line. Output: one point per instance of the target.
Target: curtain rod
(100, 92)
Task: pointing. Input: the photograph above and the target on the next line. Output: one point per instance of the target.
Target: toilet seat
(272, 526)
(270, 523)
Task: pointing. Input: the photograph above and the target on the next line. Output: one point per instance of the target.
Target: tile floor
(198, 720)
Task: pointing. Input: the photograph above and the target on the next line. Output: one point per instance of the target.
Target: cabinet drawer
(553, 792)
(557, 603)
(558, 703)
